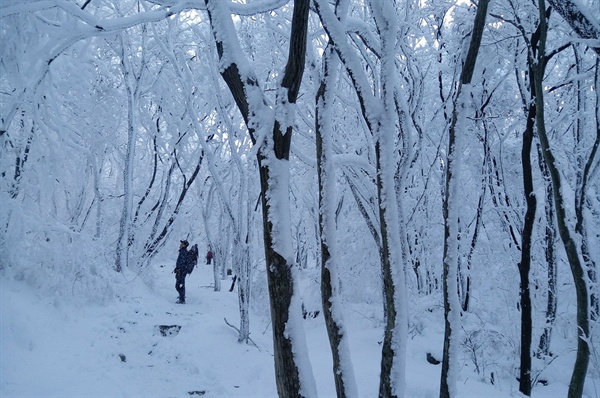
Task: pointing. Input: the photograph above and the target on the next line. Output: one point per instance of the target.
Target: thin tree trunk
(550, 236)
(450, 212)
(578, 20)
(343, 372)
(150, 183)
(96, 170)
(379, 115)
(244, 288)
(244, 291)
(525, 263)
(573, 256)
(20, 163)
(154, 243)
(592, 266)
(581, 200)
(208, 204)
(370, 218)
(122, 251)
(466, 290)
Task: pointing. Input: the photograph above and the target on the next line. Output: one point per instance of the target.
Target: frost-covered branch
(581, 20)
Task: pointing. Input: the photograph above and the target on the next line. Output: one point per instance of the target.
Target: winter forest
(433, 163)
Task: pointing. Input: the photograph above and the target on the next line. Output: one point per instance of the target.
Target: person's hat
(184, 243)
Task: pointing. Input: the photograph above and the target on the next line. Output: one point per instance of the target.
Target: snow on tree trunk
(242, 259)
(584, 171)
(381, 119)
(525, 263)
(271, 130)
(245, 272)
(451, 207)
(97, 197)
(580, 19)
(567, 236)
(345, 382)
(549, 251)
(122, 251)
(450, 270)
(393, 361)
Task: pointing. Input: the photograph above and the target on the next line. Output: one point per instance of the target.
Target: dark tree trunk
(150, 183)
(525, 264)
(550, 236)
(388, 350)
(153, 243)
(577, 268)
(279, 271)
(281, 290)
(446, 386)
(578, 21)
(581, 200)
(122, 250)
(344, 383)
(20, 163)
(393, 335)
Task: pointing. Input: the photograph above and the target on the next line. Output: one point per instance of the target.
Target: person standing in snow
(181, 270)
(209, 256)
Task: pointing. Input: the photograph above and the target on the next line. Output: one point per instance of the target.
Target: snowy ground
(50, 348)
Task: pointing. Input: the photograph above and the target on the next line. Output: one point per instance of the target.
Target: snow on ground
(50, 348)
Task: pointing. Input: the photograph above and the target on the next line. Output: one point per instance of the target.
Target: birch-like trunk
(122, 251)
(245, 274)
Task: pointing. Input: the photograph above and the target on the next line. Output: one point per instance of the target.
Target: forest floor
(54, 348)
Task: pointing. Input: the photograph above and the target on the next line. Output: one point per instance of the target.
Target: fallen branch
(248, 340)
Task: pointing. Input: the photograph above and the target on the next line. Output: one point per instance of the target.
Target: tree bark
(343, 373)
(450, 213)
(585, 29)
(581, 198)
(153, 243)
(381, 120)
(525, 263)
(20, 162)
(273, 156)
(122, 250)
(550, 236)
(577, 268)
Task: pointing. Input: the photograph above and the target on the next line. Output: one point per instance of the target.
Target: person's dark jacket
(182, 259)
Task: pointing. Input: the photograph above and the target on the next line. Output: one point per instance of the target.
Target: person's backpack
(192, 259)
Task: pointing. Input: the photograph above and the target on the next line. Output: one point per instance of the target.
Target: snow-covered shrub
(491, 353)
(54, 258)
